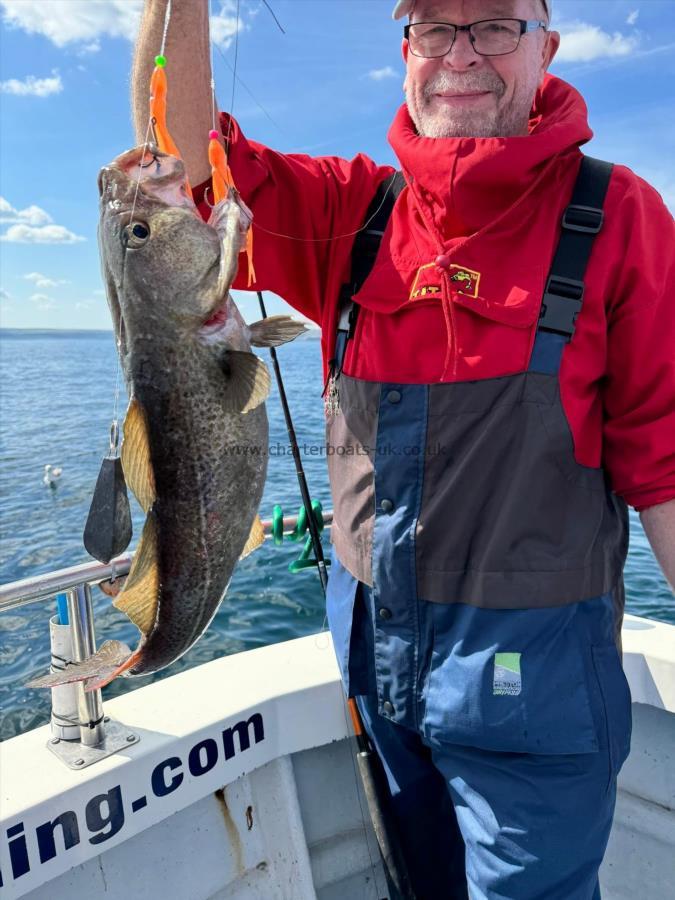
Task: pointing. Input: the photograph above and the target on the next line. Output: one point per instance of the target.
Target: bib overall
(476, 602)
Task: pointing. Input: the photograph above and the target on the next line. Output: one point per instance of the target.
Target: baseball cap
(405, 7)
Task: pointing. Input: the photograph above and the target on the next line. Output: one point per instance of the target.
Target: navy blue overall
(502, 716)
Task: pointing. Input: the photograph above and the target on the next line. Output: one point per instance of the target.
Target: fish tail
(94, 684)
(110, 660)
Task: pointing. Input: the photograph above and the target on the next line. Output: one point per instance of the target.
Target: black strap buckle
(561, 305)
(586, 219)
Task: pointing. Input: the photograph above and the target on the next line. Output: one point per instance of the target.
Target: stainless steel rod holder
(89, 705)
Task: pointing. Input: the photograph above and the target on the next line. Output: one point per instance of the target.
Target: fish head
(161, 262)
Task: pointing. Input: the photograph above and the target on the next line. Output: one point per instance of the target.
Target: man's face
(463, 94)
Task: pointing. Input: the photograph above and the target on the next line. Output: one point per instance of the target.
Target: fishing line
(165, 31)
(323, 240)
(274, 16)
(115, 426)
(335, 237)
(245, 87)
(234, 76)
(167, 16)
(213, 83)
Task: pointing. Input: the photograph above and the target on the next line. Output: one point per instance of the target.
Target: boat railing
(81, 733)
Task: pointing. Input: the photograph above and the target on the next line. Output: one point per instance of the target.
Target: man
(487, 438)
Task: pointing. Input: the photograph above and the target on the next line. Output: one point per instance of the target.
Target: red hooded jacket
(493, 207)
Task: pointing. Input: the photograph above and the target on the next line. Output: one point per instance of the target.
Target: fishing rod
(317, 546)
(370, 767)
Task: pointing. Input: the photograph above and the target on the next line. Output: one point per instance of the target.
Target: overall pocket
(509, 680)
(616, 705)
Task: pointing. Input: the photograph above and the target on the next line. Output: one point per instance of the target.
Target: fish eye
(135, 235)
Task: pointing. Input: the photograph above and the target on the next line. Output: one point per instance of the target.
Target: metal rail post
(89, 705)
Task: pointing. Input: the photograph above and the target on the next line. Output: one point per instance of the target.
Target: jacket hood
(490, 208)
(464, 183)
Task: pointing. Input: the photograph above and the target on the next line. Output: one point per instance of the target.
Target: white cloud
(47, 234)
(583, 42)
(4, 295)
(381, 74)
(86, 21)
(224, 24)
(32, 86)
(89, 49)
(33, 226)
(633, 17)
(42, 301)
(31, 215)
(70, 21)
(41, 281)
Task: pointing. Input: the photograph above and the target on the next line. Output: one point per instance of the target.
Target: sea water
(56, 405)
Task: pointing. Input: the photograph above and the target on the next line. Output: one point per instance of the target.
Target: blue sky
(330, 85)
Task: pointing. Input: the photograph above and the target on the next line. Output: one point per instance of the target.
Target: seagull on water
(52, 474)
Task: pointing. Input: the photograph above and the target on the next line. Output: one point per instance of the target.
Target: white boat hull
(243, 785)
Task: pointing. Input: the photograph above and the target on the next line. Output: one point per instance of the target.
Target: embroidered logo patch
(428, 284)
(507, 678)
(466, 281)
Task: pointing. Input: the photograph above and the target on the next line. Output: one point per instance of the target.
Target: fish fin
(275, 330)
(249, 381)
(255, 538)
(136, 461)
(139, 599)
(103, 678)
(110, 657)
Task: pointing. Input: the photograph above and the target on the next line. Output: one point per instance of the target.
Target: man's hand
(659, 525)
(188, 72)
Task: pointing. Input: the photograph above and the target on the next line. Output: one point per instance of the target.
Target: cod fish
(195, 435)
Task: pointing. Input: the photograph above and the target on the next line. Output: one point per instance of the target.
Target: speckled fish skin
(209, 462)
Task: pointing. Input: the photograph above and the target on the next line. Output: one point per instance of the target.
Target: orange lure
(221, 176)
(222, 180)
(158, 91)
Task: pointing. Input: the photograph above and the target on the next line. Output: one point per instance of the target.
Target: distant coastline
(312, 333)
(53, 332)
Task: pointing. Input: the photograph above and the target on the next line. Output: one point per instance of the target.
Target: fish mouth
(150, 171)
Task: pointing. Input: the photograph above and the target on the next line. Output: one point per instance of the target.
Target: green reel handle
(277, 525)
(304, 561)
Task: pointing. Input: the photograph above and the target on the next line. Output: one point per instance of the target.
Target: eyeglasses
(489, 37)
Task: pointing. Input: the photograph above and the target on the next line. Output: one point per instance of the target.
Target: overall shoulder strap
(364, 253)
(581, 223)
